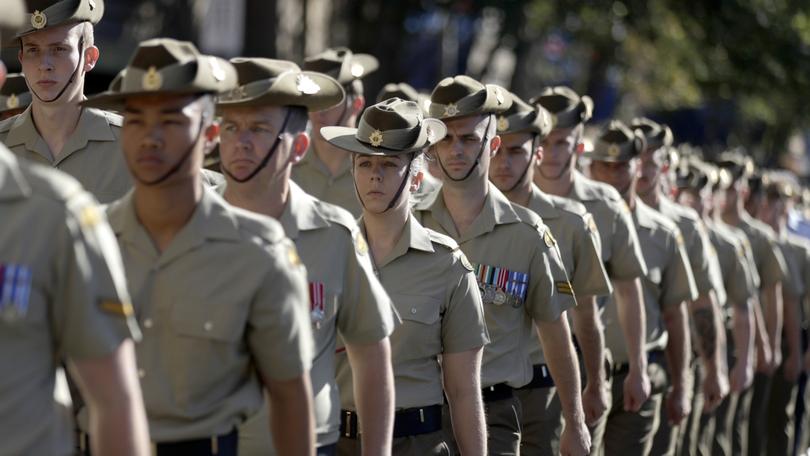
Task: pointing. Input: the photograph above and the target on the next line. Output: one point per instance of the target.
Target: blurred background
(721, 73)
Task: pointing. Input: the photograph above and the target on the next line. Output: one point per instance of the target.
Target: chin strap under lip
(484, 143)
(267, 156)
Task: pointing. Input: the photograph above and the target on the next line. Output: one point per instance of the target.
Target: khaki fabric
(431, 444)
(91, 155)
(514, 241)
(735, 269)
(62, 295)
(621, 251)
(345, 298)
(226, 297)
(503, 427)
(767, 256)
(578, 240)
(781, 414)
(541, 421)
(435, 293)
(315, 178)
(668, 281)
(758, 419)
(795, 251)
(429, 185)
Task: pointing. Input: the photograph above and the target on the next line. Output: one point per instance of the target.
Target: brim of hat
(312, 103)
(345, 138)
(593, 157)
(116, 100)
(369, 63)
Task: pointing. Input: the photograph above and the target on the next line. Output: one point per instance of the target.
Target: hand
(594, 401)
(793, 367)
(715, 389)
(575, 439)
(741, 377)
(678, 405)
(636, 390)
(764, 358)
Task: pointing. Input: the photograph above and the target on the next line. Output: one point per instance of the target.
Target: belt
(407, 422)
(497, 392)
(653, 357)
(215, 445)
(541, 378)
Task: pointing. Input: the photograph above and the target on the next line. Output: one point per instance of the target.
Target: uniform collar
(414, 236)
(497, 210)
(92, 126)
(642, 215)
(212, 219)
(301, 213)
(542, 204)
(13, 184)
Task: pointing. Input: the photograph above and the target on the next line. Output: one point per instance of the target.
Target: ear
(211, 135)
(580, 149)
(538, 154)
(494, 145)
(91, 55)
(300, 146)
(416, 181)
(358, 103)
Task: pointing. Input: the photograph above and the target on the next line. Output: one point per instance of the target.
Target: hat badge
(12, 102)
(614, 150)
(306, 85)
(450, 110)
(152, 80)
(38, 19)
(503, 123)
(357, 70)
(376, 138)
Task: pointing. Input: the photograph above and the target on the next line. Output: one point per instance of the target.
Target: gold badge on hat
(152, 80)
(39, 19)
(357, 70)
(216, 70)
(450, 110)
(376, 138)
(12, 102)
(306, 85)
(503, 123)
(614, 150)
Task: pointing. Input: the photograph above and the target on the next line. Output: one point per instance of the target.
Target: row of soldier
(412, 277)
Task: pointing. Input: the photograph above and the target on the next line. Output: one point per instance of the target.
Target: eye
(229, 128)
(132, 121)
(61, 49)
(391, 164)
(363, 164)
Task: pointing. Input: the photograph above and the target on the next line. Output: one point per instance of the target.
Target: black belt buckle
(348, 424)
(541, 377)
(497, 392)
(417, 421)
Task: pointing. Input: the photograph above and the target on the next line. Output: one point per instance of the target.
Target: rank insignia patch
(15, 291)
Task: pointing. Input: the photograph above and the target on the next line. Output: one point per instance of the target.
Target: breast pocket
(419, 335)
(215, 317)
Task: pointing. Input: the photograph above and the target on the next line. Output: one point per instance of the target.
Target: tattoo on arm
(707, 333)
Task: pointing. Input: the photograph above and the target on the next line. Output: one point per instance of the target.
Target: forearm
(561, 359)
(469, 426)
(374, 395)
(588, 330)
(109, 430)
(761, 340)
(772, 313)
(292, 424)
(632, 317)
(710, 341)
(678, 345)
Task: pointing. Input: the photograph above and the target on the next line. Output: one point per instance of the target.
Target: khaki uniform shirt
(621, 251)
(794, 250)
(62, 295)
(92, 154)
(705, 267)
(520, 275)
(736, 269)
(227, 298)
(436, 295)
(315, 178)
(668, 281)
(768, 257)
(578, 239)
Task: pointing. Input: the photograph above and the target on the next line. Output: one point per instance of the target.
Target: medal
(500, 298)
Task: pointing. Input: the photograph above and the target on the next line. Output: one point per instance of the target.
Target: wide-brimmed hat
(269, 82)
(522, 117)
(657, 135)
(568, 109)
(391, 127)
(43, 14)
(617, 143)
(463, 96)
(342, 64)
(737, 163)
(14, 94)
(164, 66)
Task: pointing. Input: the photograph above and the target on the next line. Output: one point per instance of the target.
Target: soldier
(522, 129)
(62, 297)
(263, 134)
(221, 291)
(711, 375)
(517, 263)
(14, 96)
(325, 172)
(668, 284)
(430, 282)
(774, 206)
(621, 252)
(694, 183)
(56, 52)
(771, 268)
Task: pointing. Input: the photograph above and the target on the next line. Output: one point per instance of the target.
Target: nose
(45, 63)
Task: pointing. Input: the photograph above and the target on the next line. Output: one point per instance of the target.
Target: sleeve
(279, 332)
(627, 261)
(677, 284)
(92, 312)
(589, 277)
(463, 324)
(753, 273)
(698, 249)
(366, 313)
(770, 261)
(550, 293)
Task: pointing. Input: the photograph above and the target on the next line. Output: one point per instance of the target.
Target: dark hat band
(464, 106)
(397, 139)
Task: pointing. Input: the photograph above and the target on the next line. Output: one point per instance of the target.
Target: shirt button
(413, 310)
(208, 326)
(147, 323)
(141, 373)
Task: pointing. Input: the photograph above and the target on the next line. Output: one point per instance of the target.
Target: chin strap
(267, 156)
(528, 165)
(399, 191)
(179, 163)
(477, 159)
(562, 171)
(72, 76)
